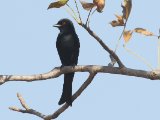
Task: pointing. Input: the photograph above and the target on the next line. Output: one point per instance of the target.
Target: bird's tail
(67, 89)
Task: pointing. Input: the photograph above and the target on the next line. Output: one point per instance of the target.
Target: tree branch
(111, 52)
(57, 112)
(26, 108)
(56, 72)
(92, 69)
(75, 96)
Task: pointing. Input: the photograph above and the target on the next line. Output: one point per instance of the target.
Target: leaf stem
(73, 14)
(117, 45)
(94, 11)
(158, 53)
(78, 11)
(138, 57)
(87, 21)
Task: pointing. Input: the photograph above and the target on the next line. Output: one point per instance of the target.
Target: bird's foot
(61, 66)
(73, 65)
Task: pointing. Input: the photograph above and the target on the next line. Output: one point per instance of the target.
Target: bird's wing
(75, 52)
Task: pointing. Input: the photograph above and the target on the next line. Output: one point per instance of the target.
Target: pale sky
(28, 47)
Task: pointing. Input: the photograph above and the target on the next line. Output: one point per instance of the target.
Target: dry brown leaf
(87, 6)
(115, 23)
(120, 19)
(118, 22)
(58, 4)
(143, 31)
(127, 6)
(127, 35)
(126, 12)
(100, 4)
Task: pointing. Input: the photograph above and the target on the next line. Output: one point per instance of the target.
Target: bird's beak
(57, 25)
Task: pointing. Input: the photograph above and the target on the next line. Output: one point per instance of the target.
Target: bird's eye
(63, 23)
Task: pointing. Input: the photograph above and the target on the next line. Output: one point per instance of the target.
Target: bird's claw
(73, 65)
(61, 66)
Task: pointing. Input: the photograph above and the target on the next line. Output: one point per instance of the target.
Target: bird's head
(65, 25)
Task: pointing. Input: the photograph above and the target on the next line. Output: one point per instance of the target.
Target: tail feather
(67, 89)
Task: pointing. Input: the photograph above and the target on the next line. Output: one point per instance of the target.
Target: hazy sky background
(27, 41)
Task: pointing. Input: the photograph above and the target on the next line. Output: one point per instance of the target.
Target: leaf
(143, 31)
(127, 35)
(118, 22)
(156, 71)
(114, 23)
(58, 4)
(87, 6)
(127, 6)
(120, 19)
(100, 4)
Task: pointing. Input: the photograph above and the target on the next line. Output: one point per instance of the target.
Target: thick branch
(89, 68)
(60, 110)
(113, 54)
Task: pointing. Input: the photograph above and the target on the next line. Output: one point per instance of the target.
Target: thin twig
(113, 54)
(22, 101)
(139, 58)
(78, 11)
(159, 50)
(91, 16)
(87, 21)
(117, 45)
(72, 13)
(60, 110)
(26, 108)
(94, 11)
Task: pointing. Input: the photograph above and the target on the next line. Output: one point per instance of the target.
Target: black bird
(68, 49)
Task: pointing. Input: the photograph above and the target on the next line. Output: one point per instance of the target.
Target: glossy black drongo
(68, 49)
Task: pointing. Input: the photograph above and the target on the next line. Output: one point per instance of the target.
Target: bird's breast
(67, 41)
